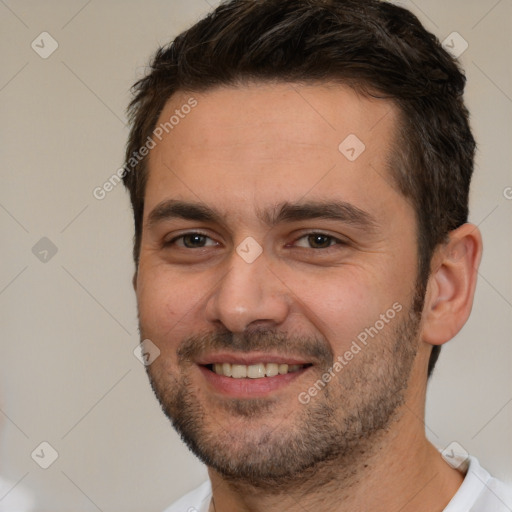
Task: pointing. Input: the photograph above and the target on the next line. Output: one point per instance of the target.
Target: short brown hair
(377, 48)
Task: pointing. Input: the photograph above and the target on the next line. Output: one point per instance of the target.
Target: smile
(254, 371)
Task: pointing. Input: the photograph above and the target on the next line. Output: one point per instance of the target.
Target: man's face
(267, 243)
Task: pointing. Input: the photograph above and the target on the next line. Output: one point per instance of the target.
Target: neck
(396, 470)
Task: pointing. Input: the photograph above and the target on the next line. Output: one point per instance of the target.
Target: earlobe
(451, 285)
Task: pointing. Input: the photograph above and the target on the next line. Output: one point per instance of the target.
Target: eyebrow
(172, 208)
(332, 210)
(283, 212)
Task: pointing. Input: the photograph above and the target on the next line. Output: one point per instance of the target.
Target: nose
(248, 295)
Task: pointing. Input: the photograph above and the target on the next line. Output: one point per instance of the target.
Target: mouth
(250, 375)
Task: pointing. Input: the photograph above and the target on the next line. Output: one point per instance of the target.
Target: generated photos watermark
(358, 344)
(101, 192)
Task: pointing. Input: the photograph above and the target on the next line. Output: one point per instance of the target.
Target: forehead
(256, 145)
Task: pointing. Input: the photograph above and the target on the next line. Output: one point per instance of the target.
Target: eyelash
(334, 241)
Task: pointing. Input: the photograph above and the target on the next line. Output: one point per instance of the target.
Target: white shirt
(479, 492)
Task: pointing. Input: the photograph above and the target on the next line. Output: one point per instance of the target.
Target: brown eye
(194, 240)
(319, 241)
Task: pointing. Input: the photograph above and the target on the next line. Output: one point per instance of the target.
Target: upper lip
(249, 358)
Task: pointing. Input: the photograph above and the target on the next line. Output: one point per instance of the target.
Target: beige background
(68, 373)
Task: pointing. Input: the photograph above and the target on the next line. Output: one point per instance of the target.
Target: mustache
(316, 349)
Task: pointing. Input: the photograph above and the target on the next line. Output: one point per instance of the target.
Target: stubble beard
(330, 435)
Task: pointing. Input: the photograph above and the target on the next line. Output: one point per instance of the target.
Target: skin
(245, 150)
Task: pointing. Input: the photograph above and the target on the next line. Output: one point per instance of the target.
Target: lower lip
(249, 388)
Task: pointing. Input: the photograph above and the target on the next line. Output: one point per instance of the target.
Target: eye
(317, 241)
(191, 241)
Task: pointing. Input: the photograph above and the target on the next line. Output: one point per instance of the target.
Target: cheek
(165, 302)
(340, 303)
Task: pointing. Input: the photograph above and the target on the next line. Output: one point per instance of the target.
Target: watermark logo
(249, 250)
(44, 45)
(44, 455)
(456, 456)
(351, 147)
(455, 44)
(146, 352)
(44, 250)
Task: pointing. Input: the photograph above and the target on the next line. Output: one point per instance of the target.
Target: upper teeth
(254, 371)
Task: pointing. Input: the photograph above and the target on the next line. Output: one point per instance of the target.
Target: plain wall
(68, 372)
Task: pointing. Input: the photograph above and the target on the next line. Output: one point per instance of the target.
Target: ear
(451, 285)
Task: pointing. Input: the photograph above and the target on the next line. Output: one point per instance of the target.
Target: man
(299, 173)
